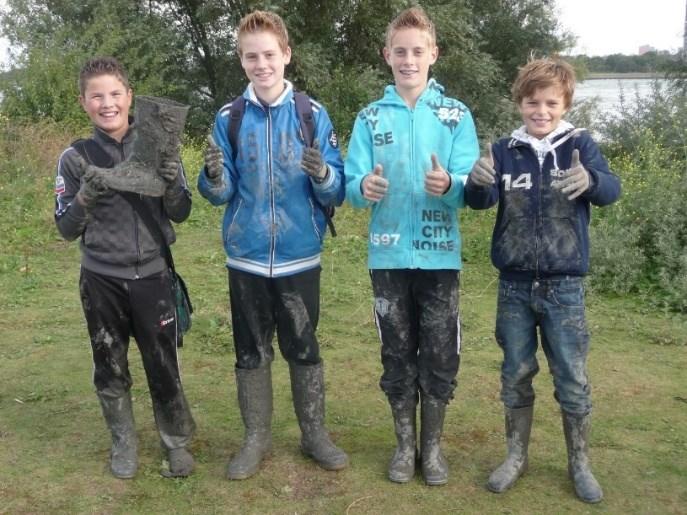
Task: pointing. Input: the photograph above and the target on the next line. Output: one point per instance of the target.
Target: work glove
(374, 184)
(169, 171)
(483, 173)
(575, 180)
(93, 185)
(437, 180)
(312, 163)
(214, 160)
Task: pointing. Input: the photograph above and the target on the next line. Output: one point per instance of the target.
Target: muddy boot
(576, 429)
(518, 426)
(159, 126)
(255, 402)
(402, 465)
(180, 463)
(434, 464)
(119, 416)
(307, 387)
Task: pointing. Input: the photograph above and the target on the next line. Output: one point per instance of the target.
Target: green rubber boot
(518, 428)
(119, 415)
(402, 465)
(434, 464)
(576, 429)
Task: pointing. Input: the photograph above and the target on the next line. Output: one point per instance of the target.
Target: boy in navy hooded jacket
(544, 178)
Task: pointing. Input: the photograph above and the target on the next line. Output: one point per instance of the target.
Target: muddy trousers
(117, 309)
(291, 304)
(416, 313)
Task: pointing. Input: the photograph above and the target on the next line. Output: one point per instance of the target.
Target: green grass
(54, 445)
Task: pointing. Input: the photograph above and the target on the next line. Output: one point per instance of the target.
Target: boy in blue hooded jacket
(274, 188)
(408, 159)
(544, 178)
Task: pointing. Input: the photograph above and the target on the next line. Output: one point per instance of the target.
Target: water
(607, 91)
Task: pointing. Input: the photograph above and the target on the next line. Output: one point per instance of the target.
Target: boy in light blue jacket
(408, 159)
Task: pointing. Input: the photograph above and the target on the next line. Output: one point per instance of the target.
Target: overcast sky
(606, 27)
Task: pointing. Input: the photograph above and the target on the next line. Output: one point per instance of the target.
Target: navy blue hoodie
(539, 233)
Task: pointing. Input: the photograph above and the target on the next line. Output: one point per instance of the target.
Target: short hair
(259, 21)
(102, 66)
(543, 73)
(412, 18)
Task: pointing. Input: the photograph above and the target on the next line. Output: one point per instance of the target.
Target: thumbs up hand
(575, 180)
(374, 184)
(437, 180)
(483, 173)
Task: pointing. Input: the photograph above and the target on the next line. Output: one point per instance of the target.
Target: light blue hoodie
(410, 228)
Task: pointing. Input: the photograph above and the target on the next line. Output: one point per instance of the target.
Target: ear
(287, 55)
(433, 55)
(387, 55)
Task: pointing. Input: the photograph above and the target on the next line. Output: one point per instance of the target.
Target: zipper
(273, 216)
(137, 274)
(412, 184)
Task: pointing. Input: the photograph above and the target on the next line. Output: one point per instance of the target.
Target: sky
(604, 27)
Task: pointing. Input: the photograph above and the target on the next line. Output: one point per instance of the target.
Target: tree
(186, 49)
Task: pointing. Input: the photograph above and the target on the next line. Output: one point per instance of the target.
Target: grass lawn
(54, 445)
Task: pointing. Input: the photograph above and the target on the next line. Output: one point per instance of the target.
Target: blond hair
(413, 18)
(541, 74)
(98, 66)
(264, 21)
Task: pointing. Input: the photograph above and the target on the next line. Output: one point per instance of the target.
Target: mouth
(109, 114)
(407, 73)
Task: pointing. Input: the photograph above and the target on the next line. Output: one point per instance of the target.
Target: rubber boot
(576, 429)
(180, 463)
(402, 465)
(307, 387)
(434, 464)
(119, 416)
(518, 428)
(255, 402)
(159, 126)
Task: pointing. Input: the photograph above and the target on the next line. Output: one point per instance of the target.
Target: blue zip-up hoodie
(410, 228)
(272, 224)
(539, 233)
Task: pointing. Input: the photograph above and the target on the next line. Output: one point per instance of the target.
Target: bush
(639, 245)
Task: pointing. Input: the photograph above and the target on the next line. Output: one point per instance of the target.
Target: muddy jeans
(259, 304)
(556, 306)
(116, 309)
(416, 313)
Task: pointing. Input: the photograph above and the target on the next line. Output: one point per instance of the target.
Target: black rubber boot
(402, 465)
(159, 126)
(119, 416)
(307, 387)
(576, 429)
(434, 464)
(255, 402)
(518, 427)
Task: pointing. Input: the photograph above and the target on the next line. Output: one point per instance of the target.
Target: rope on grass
(357, 501)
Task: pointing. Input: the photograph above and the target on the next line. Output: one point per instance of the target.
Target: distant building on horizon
(646, 48)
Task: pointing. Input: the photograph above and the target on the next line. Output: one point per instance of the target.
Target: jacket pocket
(561, 250)
(514, 245)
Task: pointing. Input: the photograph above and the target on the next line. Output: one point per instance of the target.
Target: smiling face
(106, 101)
(410, 53)
(542, 111)
(263, 60)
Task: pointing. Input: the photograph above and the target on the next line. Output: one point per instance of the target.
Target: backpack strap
(305, 117)
(93, 153)
(236, 111)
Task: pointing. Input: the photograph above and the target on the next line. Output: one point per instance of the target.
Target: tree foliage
(186, 49)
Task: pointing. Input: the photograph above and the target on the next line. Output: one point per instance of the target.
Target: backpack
(307, 122)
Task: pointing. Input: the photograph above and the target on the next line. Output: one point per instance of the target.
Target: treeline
(650, 62)
(186, 50)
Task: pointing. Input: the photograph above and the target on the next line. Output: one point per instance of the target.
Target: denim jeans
(556, 307)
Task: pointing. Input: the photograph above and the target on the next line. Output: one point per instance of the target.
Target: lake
(607, 91)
